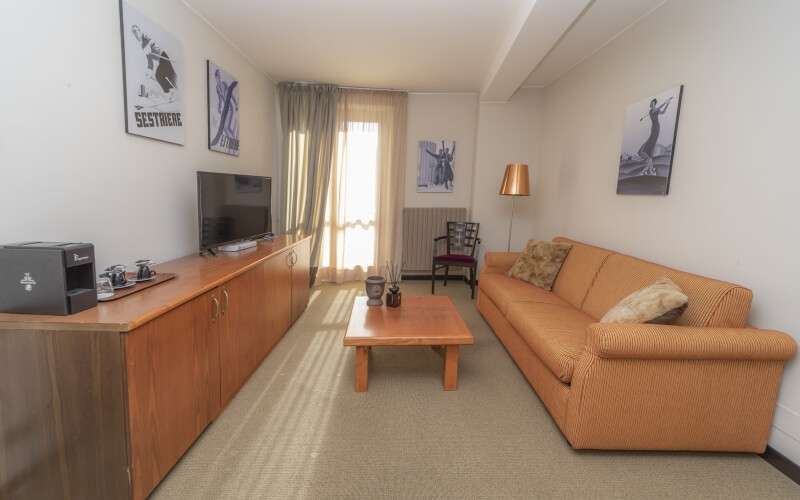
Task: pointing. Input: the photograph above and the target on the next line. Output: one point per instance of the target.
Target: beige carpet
(299, 430)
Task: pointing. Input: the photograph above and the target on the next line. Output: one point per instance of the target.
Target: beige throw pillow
(662, 302)
(540, 262)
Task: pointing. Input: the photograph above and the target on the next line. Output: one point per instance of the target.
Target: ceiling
(491, 47)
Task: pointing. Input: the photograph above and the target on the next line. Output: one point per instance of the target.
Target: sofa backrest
(711, 302)
(578, 271)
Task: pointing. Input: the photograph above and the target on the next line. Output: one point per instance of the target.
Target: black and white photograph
(223, 111)
(153, 78)
(436, 167)
(648, 143)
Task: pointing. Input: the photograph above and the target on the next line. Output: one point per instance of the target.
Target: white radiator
(420, 226)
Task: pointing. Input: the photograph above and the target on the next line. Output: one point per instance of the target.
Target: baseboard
(426, 277)
(783, 464)
(439, 277)
(784, 436)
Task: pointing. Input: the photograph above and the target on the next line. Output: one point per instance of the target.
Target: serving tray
(139, 285)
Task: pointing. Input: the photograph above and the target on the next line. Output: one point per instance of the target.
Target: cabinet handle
(294, 258)
(227, 300)
(289, 259)
(216, 309)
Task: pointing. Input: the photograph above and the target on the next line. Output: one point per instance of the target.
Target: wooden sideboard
(103, 403)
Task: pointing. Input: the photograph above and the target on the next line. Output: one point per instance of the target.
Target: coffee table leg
(362, 367)
(450, 367)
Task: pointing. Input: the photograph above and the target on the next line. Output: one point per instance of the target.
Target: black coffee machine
(47, 278)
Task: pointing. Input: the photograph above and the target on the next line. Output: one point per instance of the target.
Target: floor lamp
(515, 183)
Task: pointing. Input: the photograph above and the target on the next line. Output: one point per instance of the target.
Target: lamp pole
(515, 183)
(511, 225)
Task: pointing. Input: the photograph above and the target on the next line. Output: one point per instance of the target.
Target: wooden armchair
(461, 251)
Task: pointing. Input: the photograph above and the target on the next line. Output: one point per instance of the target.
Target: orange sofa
(707, 382)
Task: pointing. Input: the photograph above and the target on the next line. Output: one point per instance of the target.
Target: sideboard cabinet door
(172, 368)
(301, 277)
(242, 331)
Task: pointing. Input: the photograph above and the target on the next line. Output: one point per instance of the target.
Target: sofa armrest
(650, 341)
(664, 387)
(499, 262)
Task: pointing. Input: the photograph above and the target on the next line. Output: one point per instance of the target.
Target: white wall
(68, 170)
(447, 117)
(733, 205)
(507, 133)
(488, 137)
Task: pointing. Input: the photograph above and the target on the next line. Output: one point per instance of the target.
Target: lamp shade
(515, 182)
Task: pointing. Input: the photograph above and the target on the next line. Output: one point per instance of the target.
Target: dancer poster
(223, 111)
(436, 166)
(648, 143)
(152, 66)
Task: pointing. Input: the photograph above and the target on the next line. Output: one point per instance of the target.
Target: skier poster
(223, 111)
(152, 66)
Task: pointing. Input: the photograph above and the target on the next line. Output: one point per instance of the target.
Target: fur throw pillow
(540, 262)
(662, 302)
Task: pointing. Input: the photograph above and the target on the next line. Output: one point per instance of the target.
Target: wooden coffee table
(420, 320)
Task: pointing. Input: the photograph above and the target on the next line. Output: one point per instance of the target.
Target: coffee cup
(116, 274)
(145, 273)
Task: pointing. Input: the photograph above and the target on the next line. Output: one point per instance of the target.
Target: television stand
(235, 247)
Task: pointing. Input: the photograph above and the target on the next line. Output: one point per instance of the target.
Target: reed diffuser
(395, 273)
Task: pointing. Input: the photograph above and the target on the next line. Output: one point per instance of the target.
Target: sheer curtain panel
(365, 198)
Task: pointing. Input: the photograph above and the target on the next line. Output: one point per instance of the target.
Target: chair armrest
(499, 262)
(649, 341)
(434, 244)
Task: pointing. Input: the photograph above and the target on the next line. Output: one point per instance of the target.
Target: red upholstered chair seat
(454, 257)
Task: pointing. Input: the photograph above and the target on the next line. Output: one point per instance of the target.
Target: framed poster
(436, 166)
(152, 75)
(648, 143)
(223, 111)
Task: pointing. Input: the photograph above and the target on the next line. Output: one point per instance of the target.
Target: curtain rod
(371, 88)
(349, 87)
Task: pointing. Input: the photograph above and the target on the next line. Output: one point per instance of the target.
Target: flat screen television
(232, 208)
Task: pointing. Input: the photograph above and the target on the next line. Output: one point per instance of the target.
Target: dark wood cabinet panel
(62, 416)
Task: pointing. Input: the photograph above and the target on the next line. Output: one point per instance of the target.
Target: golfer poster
(152, 66)
(648, 143)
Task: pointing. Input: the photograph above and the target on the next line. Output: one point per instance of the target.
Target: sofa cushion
(711, 302)
(503, 290)
(540, 262)
(556, 333)
(578, 271)
(662, 302)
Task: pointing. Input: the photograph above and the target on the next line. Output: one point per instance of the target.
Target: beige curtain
(365, 197)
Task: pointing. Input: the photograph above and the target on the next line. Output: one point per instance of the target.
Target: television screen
(232, 208)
